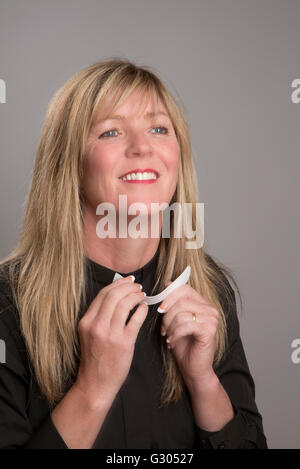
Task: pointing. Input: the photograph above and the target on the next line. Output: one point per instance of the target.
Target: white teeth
(139, 176)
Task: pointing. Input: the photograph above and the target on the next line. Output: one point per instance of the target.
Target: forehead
(136, 103)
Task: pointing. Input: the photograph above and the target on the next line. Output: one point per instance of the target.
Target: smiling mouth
(138, 177)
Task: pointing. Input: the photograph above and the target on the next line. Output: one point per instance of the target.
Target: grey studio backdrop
(232, 63)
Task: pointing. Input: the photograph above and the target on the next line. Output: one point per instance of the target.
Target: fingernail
(167, 340)
(133, 277)
(162, 310)
(163, 332)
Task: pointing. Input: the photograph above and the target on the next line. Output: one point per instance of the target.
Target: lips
(138, 170)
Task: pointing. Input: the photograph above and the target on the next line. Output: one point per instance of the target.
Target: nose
(138, 144)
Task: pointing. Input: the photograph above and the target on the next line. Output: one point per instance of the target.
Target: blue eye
(104, 134)
(166, 130)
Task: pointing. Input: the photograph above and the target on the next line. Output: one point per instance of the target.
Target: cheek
(92, 175)
(172, 161)
(97, 164)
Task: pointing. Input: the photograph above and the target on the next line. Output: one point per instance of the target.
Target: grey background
(232, 62)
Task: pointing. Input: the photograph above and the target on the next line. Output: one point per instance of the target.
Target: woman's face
(135, 142)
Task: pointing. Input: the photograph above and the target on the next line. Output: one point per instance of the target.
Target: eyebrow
(148, 115)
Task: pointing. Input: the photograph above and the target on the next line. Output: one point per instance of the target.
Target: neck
(119, 254)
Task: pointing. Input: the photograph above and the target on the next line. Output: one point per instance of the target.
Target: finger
(122, 309)
(100, 295)
(178, 319)
(203, 332)
(184, 291)
(136, 321)
(185, 316)
(109, 297)
(182, 305)
(185, 304)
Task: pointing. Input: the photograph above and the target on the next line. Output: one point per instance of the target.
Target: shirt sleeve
(245, 430)
(16, 429)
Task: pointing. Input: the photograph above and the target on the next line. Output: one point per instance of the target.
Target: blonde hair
(48, 268)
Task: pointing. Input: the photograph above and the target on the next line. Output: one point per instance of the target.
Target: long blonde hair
(48, 268)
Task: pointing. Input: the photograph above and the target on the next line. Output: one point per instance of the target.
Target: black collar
(104, 275)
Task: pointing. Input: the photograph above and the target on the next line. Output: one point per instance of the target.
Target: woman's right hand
(107, 344)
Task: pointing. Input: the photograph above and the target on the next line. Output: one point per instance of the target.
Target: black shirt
(135, 419)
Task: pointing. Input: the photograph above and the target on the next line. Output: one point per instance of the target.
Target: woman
(88, 364)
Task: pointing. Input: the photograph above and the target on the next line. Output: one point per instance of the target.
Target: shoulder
(6, 292)
(10, 331)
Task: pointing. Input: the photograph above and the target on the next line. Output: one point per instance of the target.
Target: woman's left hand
(192, 341)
